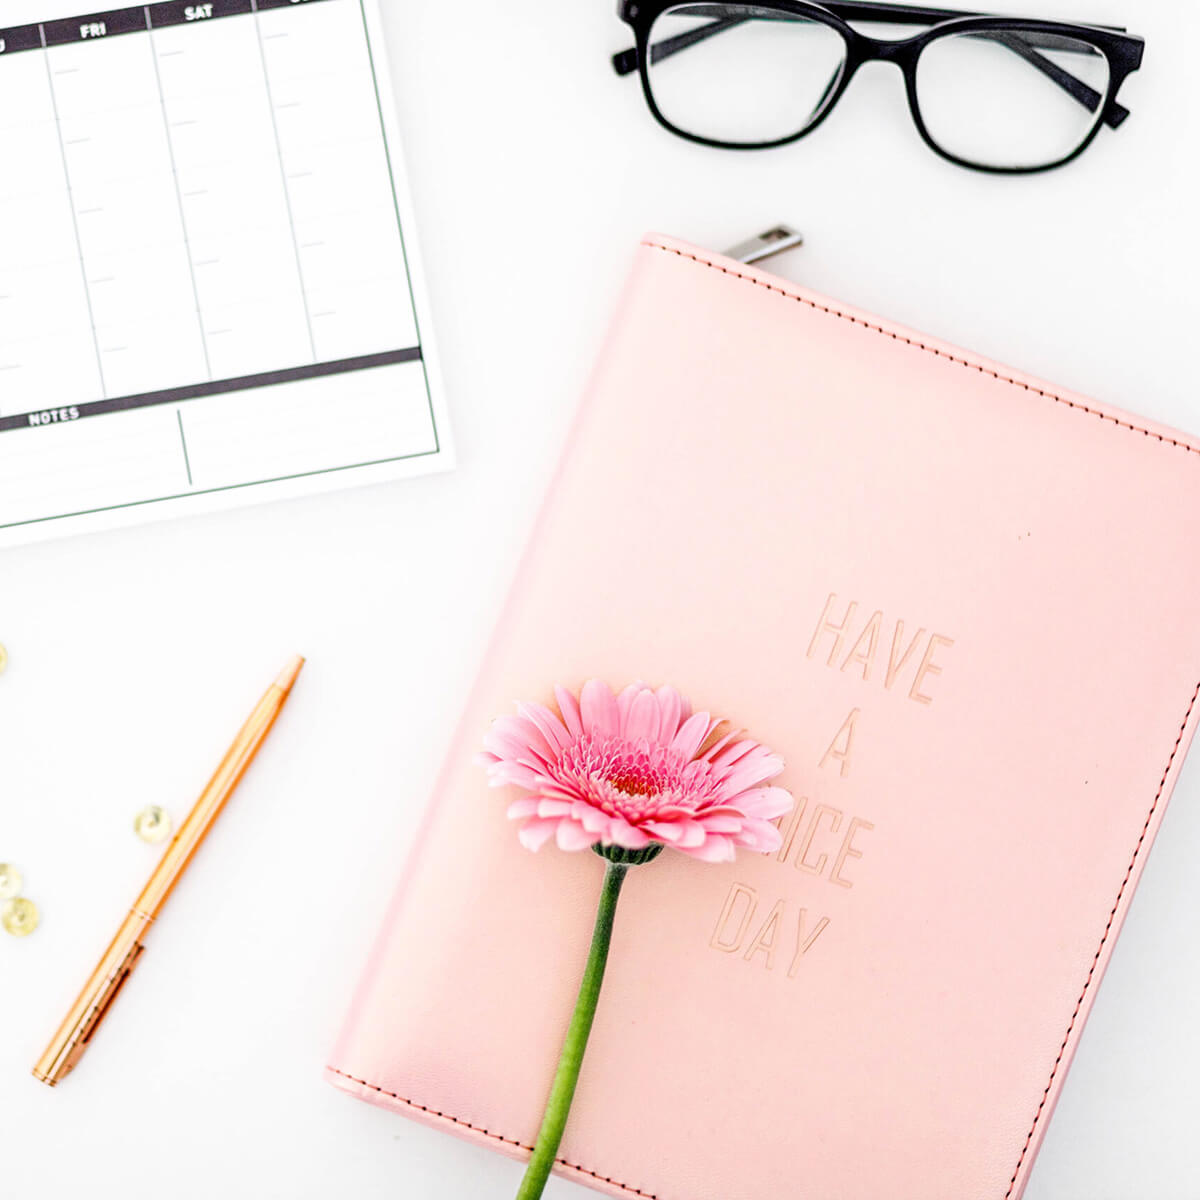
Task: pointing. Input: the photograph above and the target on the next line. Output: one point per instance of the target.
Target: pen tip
(288, 675)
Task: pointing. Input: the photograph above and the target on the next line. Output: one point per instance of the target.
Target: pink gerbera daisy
(634, 771)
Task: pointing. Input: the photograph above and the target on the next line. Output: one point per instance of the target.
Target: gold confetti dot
(10, 881)
(3, 658)
(19, 916)
(152, 824)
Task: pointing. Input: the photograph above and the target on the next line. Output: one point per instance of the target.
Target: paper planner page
(207, 294)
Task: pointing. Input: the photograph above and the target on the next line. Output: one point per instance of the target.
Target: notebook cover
(962, 604)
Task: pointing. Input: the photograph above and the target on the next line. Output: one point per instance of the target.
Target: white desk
(136, 653)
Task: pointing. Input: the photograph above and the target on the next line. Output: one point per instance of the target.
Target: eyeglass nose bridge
(862, 49)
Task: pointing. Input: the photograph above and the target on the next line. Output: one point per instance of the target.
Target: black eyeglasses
(997, 94)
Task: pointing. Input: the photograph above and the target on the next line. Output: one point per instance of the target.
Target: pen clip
(114, 983)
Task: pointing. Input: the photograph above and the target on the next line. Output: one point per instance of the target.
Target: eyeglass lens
(739, 74)
(745, 75)
(998, 99)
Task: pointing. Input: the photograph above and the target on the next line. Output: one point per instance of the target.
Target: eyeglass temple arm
(912, 14)
(1072, 85)
(879, 10)
(626, 61)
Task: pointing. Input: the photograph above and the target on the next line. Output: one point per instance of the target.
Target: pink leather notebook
(963, 605)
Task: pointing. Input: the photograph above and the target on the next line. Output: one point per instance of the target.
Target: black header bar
(26, 37)
(162, 15)
(216, 387)
(96, 27)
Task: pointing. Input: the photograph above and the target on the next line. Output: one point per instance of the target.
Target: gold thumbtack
(19, 916)
(152, 824)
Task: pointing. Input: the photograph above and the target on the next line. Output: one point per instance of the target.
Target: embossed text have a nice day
(822, 841)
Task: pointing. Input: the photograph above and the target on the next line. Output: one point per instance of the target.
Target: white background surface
(135, 654)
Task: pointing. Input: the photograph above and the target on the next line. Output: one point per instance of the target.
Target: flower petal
(670, 832)
(692, 833)
(505, 773)
(568, 708)
(643, 718)
(598, 708)
(515, 737)
(716, 848)
(621, 833)
(752, 770)
(591, 818)
(709, 753)
(552, 790)
(730, 751)
(535, 833)
(571, 836)
(671, 714)
(760, 835)
(625, 699)
(766, 803)
(722, 823)
(691, 733)
(548, 725)
(718, 736)
(684, 834)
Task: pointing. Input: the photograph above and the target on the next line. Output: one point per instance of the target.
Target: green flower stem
(562, 1092)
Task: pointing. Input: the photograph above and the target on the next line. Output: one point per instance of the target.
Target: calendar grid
(146, 19)
(141, 20)
(214, 292)
(74, 217)
(387, 153)
(283, 173)
(179, 197)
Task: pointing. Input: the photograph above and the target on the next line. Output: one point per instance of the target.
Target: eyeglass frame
(1121, 50)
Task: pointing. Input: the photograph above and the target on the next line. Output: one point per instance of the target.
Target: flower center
(634, 782)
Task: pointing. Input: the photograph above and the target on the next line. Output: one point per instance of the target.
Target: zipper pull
(771, 241)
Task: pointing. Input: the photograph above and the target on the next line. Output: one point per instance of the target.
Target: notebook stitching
(1103, 939)
(954, 358)
(499, 1137)
(1037, 1116)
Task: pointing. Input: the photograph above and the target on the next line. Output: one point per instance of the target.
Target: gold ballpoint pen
(76, 1032)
